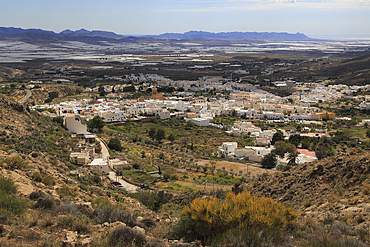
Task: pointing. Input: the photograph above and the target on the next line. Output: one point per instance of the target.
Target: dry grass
(236, 167)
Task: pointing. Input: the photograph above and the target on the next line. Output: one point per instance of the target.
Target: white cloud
(306, 4)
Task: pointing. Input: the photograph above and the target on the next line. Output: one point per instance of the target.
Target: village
(249, 105)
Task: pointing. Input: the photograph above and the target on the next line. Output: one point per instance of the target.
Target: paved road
(26, 97)
(112, 174)
(129, 187)
(104, 150)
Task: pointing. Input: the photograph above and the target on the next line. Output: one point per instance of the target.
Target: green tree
(289, 148)
(115, 144)
(161, 156)
(166, 176)
(53, 95)
(269, 161)
(368, 133)
(279, 147)
(306, 143)
(59, 120)
(160, 135)
(152, 133)
(101, 91)
(278, 136)
(189, 124)
(298, 127)
(171, 138)
(292, 159)
(295, 139)
(96, 123)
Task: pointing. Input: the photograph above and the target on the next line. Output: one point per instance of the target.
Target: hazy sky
(312, 17)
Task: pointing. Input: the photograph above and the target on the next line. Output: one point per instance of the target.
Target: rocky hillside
(47, 201)
(337, 187)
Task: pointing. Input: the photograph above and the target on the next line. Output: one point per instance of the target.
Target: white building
(74, 125)
(227, 148)
(199, 121)
(100, 166)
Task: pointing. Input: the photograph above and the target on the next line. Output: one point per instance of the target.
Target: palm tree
(292, 159)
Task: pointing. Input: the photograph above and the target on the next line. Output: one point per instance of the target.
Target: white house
(260, 152)
(79, 158)
(74, 125)
(164, 115)
(268, 134)
(100, 166)
(181, 106)
(227, 148)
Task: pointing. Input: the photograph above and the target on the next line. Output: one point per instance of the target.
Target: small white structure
(268, 134)
(227, 148)
(79, 158)
(199, 121)
(74, 125)
(100, 166)
(118, 163)
(259, 152)
(164, 115)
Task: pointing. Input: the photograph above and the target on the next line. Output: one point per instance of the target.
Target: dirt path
(236, 167)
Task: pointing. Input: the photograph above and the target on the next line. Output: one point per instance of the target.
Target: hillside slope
(338, 186)
(47, 201)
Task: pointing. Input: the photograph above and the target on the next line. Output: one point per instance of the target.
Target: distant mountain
(14, 30)
(95, 36)
(253, 36)
(84, 32)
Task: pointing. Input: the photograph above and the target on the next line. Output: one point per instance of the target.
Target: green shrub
(115, 144)
(206, 218)
(15, 162)
(66, 193)
(43, 178)
(307, 204)
(100, 202)
(7, 185)
(151, 199)
(9, 204)
(82, 187)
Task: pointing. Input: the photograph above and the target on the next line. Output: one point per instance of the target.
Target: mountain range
(11, 33)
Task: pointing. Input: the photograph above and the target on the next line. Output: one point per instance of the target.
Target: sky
(324, 18)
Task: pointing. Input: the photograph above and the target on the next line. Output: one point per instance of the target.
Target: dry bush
(160, 231)
(328, 233)
(147, 222)
(110, 214)
(366, 189)
(31, 218)
(66, 193)
(76, 209)
(125, 236)
(79, 223)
